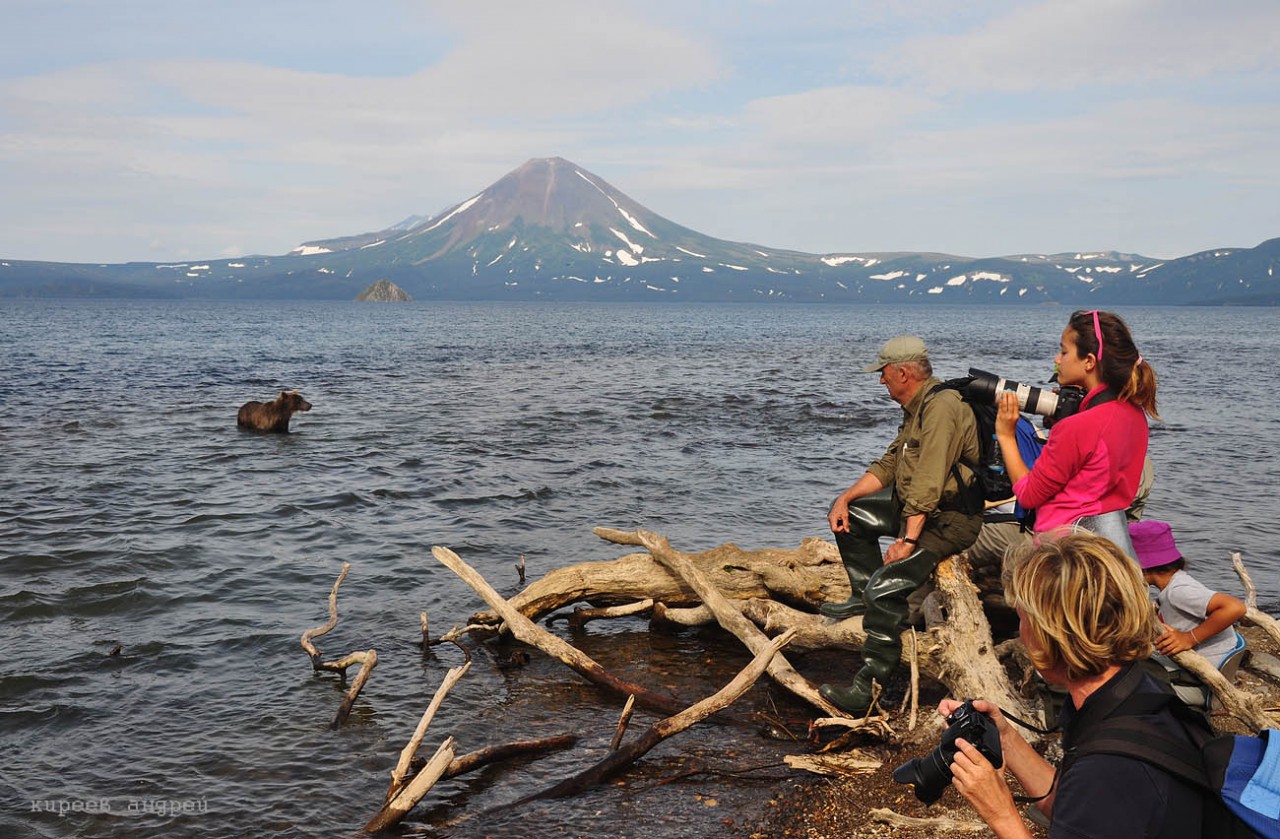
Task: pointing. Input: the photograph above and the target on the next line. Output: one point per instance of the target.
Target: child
(1193, 616)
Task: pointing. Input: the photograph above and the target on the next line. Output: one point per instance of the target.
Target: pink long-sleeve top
(1091, 465)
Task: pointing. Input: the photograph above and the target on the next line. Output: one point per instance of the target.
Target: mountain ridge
(550, 229)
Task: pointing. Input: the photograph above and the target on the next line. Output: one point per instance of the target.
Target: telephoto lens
(987, 387)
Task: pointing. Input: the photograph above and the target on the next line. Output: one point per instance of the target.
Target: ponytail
(1140, 390)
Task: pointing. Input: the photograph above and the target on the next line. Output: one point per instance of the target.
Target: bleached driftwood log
(760, 585)
(583, 615)
(1259, 619)
(406, 755)
(803, 576)
(530, 633)
(625, 755)
(399, 806)
(941, 825)
(1240, 704)
(960, 653)
(367, 659)
(843, 764)
(728, 616)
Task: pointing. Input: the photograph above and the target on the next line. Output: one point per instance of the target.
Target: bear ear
(295, 391)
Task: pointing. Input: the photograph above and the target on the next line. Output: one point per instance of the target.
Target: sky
(166, 130)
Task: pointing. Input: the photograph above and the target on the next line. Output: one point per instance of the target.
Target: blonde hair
(1085, 603)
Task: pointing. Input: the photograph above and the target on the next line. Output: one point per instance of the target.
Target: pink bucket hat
(1153, 543)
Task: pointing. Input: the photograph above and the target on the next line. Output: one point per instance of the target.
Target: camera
(931, 774)
(985, 388)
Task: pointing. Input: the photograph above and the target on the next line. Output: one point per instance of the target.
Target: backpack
(991, 476)
(1238, 774)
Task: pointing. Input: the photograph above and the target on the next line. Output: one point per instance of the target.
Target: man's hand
(838, 516)
(897, 551)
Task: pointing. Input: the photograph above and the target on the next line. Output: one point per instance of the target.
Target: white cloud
(811, 125)
(1058, 46)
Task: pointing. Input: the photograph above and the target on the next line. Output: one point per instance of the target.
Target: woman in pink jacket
(1089, 470)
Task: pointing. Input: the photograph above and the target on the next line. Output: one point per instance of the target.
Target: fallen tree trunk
(1243, 706)
(728, 616)
(961, 653)
(808, 575)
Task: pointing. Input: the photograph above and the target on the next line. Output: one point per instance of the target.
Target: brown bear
(274, 415)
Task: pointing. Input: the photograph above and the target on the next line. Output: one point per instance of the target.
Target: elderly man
(923, 493)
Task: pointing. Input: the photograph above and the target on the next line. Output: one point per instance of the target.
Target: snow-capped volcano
(553, 230)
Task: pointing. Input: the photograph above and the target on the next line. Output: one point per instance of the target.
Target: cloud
(497, 93)
(1063, 46)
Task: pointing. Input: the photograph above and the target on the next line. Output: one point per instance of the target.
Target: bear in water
(274, 415)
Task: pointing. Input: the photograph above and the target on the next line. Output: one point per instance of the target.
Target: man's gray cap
(897, 350)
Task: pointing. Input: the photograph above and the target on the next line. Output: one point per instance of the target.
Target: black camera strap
(1032, 799)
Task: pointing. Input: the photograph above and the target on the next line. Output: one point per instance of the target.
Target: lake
(135, 514)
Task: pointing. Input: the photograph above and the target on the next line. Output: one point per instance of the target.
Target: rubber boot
(869, 517)
(886, 599)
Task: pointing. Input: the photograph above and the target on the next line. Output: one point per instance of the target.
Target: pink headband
(1097, 332)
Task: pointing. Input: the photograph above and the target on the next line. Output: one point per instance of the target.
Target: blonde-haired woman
(1086, 622)
(1091, 468)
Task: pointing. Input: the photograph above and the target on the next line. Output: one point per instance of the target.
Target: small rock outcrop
(383, 291)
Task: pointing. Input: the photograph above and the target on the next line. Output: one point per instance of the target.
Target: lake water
(133, 512)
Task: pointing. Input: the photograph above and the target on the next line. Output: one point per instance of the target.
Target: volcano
(552, 230)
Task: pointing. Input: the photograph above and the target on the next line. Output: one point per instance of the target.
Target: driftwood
(844, 764)
(1259, 619)
(389, 816)
(963, 654)
(580, 617)
(1240, 704)
(662, 615)
(622, 757)
(728, 617)
(367, 659)
(776, 590)
(941, 825)
(406, 755)
(623, 720)
(397, 808)
(804, 576)
(527, 631)
(404, 792)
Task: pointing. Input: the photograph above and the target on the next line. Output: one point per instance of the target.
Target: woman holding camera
(1086, 621)
(1089, 471)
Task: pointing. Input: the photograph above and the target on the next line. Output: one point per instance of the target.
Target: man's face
(896, 380)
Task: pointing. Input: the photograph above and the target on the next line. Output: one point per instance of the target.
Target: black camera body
(931, 774)
(985, 388)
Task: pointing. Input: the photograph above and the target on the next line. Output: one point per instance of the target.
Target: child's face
(1152, 578)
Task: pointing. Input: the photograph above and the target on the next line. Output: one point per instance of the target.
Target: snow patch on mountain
(634, 247)
(461, 208)
(631, 220)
